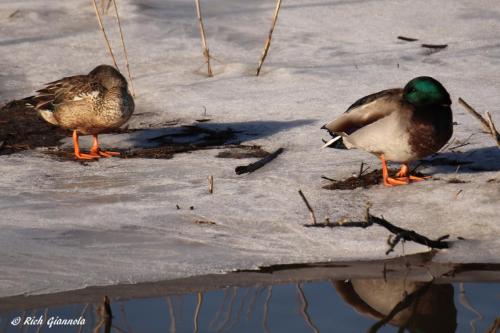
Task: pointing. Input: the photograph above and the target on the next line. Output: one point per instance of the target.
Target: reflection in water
(327, 306)
(415, 306)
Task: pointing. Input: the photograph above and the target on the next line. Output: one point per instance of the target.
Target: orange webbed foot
(104, 153)
(419, 179)
(82, 156)
(389, 181)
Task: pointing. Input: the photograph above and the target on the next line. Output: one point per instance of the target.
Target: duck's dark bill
(385, 296)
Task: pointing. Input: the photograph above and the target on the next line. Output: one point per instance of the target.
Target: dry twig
(124, 48)
(407, 39)
(434, 46)
(268, 41)
(493, 131)
(210, 184)
(313, 217)
(487, 123)
(259, 164)
(101, 26)
(204, 44)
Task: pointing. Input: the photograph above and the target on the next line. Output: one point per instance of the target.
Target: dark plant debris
(205, 222)
(21, 128)
(243, 152)
(456, 181)
(365, 180)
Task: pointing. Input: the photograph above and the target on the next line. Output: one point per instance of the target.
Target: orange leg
(388, 181)
(78, 154)
(96, 151)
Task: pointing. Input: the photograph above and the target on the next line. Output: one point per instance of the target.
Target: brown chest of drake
(430, 130)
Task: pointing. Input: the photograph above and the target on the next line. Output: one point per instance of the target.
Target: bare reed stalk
(206, 53)
(474, 113)
(124, 48)
(486, 121)
(493, 129)
(101, 26)
(268, 41)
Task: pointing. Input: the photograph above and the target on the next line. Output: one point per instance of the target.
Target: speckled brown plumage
(89, 104)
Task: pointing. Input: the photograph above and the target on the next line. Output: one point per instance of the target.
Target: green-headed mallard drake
(399, 125)
(89, 104)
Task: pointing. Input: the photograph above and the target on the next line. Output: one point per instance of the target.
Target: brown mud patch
(21, 128)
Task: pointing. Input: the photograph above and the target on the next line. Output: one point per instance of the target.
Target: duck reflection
(415, 306)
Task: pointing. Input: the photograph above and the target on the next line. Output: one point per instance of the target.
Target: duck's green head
(426, 91)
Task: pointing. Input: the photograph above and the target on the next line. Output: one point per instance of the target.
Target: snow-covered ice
(66, 225)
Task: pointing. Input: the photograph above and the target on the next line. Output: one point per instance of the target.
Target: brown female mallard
(89, 104)
(399, 125)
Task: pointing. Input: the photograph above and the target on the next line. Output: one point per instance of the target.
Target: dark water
(325, 306)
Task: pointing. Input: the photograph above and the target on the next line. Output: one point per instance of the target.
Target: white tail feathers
(48, 116)
(332, 141)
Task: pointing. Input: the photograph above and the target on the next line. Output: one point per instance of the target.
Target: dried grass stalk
(474, 113)
(124, 48)
(486, 121)
(204, 44)
(493, 131)
(268, 41)
(101, 26)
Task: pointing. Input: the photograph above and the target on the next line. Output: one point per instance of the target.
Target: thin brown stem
(313, 216)
(269, 37)
(210, 184)
(101, 26)
(474, 113)
(203, 35)
(124, 48)
(493, 131)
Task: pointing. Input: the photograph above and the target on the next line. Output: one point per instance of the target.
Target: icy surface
(66, 226)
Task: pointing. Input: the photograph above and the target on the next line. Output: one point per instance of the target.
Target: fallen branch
(204, 44)
(101, 26)
(487, 123)
(313, 217)
(259, 164)
(269, 37)
(400, 233)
